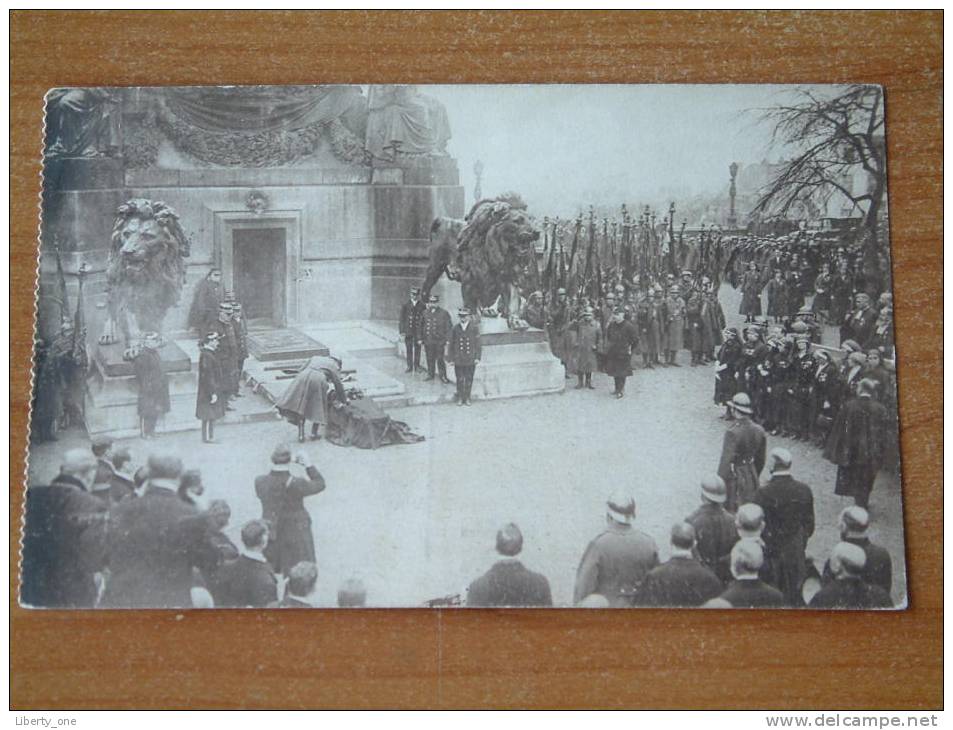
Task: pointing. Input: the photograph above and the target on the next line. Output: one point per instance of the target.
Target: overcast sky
(563, 147)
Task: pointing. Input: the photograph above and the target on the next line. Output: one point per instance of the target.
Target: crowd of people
(106, 534)
(721, 556)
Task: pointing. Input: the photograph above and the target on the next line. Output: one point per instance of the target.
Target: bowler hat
(742, 403)
(621, 507)
(714, 489)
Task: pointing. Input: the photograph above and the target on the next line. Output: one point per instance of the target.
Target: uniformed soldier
(435, 331)
(227, 349)
(715, 532)
(556, 324)
(411, 314)
(464, 353)
(742, 454)
(616, 562)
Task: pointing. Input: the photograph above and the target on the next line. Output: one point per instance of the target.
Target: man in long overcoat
(857, 442)
(228, 351)
(212, 393)
(154, 543)
(64, 535)
(208, 295)
(306, 398)
(621, 338)
(788, 524)
(588, 342)
(435, 331)
(674, 325)
(282, 507)
(742, 454)
(153, 384)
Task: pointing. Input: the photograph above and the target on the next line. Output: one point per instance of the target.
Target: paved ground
(418, 521)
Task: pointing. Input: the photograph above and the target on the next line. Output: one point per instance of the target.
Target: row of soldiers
(664, 316)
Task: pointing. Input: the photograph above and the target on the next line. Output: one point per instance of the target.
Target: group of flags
(581, 255)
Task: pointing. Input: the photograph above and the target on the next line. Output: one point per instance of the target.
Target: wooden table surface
(567, 658)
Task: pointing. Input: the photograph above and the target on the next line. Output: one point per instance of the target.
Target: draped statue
(403, 121)
(82, 123)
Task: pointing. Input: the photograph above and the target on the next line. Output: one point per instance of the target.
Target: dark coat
(465, 348)
(851, 593)
(111, 486)
(246, 583)
(204, 310)
(615, 564)
(715, 536)
(509, 583)
(227, 352)
(211, 382)
(726, 372)
(859, 326)
(588, 341)
(742, 459)
(621, 337)
(857, 441)
(153, 383)
(282, 507)
(679, 583)
(411, 318)
(64, 537)
(306, 397)
(788, 524)
(153, 544)
(752, 594)
(751, 286)
(435, 327)
(878, 570)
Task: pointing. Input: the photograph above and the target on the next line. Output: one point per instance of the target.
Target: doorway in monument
(258, 274)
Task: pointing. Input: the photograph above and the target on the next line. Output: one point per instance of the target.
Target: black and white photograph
(464, 346)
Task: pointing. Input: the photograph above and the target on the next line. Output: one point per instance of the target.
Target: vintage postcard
(464, 346)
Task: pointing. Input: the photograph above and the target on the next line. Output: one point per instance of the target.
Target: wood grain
(418, 658)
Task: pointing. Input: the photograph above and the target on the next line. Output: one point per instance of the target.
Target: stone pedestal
(514, 363)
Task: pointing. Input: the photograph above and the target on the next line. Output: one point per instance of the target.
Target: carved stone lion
(491, 253)
(145, 270)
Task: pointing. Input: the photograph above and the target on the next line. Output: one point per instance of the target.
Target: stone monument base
(514, 363)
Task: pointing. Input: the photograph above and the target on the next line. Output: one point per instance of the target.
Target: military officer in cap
(742, 454)
(227, 352)
(435, 331)
(411, 315)
(464, 353)
(616, 561)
